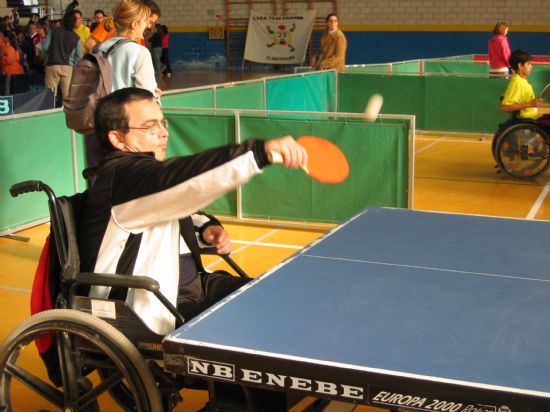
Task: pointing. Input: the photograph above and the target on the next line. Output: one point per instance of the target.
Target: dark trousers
(165, 59)
(205, 290)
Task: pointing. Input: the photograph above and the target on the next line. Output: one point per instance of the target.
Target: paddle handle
(276, 158)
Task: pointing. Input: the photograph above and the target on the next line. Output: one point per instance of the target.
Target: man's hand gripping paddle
(326, 162)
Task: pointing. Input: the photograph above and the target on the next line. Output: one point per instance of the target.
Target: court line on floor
(447, 139)
(538, 203)
(500, 182)
(13, 288)
(245, 242)
(436, 141)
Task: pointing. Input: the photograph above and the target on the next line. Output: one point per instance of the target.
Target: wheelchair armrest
(118, 281)
(126, 281)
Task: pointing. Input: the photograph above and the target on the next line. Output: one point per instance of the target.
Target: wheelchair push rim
(18, 368)
(523, 151)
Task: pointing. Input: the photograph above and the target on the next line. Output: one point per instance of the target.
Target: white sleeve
(144, 74)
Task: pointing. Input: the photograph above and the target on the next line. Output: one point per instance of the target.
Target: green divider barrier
(191, 98)
(378, 157)
(313, 92)
(37, 147)
(369, 68)
(406, 67)
(241, 96)
(446, 103)
(455, 67)
(402, 94)
(377, 153)
(192, 133)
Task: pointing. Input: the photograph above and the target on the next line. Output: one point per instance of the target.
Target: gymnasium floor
(453, 173)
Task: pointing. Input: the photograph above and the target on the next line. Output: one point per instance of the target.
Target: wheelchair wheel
(522, 150)
(84, 343)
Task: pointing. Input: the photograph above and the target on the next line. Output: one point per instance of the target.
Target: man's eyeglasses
(154, 128)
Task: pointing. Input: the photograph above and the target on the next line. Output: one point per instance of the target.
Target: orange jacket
(10, 62)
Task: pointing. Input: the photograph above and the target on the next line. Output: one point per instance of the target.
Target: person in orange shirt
(106, 29)
(11, 61)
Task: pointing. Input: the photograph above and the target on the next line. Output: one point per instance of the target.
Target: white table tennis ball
(373, 107)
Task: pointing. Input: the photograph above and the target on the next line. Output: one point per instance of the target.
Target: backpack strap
(116, 45)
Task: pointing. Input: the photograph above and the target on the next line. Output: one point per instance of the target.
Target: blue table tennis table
(394, 308)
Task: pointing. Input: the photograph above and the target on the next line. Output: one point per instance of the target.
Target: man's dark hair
(99, 11)
(110, 113)
(69, 21)
(77, 12)
(155, 9)
(329, 16)
(519, 57)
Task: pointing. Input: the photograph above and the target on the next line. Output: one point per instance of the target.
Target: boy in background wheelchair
(521, 145)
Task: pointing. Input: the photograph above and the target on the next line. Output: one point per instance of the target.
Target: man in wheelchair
(521, 144)
(141, 215)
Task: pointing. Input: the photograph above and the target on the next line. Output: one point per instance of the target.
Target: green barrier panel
(193, 98)
(456, 67)
(402, 94)
(446, 103)
(37, 147)
(312, 92)
(406, 67)
(192, 133)
(371, 68)
(539, 77)
(241, 96)
(464, 104)
(378, 157)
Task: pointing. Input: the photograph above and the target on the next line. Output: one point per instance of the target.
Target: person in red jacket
(499, 51)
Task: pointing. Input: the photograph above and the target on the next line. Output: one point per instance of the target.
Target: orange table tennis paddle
(326, 162)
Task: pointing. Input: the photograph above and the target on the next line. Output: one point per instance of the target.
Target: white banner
(278, 39)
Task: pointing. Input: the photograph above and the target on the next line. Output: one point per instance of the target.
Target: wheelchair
(81, 335)
(521, 147)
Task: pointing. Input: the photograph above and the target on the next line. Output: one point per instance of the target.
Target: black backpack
(91, 80)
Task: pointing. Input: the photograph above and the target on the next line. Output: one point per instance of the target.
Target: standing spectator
(131, 62)
(499, 51)
(64, 50)
(14, 16)
(12, 63)
(165, 58)
(39, 48)
(332, 54)
(155, 41)
(45, 23)
(99, 15)
(35, 18)
(103, 31)
(81, 30)
(8, 24)
(29, 46)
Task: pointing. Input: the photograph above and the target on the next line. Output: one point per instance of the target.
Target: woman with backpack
(132, 65)
(131, 62)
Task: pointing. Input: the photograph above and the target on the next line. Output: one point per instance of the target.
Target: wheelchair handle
(26, 187)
